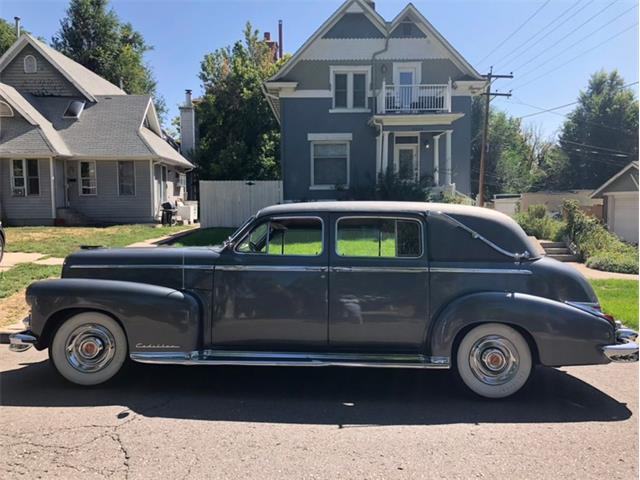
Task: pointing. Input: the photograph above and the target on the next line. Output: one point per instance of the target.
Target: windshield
(239, 230)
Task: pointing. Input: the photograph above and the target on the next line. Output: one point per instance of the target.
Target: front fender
(152, 316)
(563, 335)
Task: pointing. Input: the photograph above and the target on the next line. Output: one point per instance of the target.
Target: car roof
(381, 207)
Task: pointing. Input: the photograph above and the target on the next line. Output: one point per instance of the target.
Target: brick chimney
(187, 126)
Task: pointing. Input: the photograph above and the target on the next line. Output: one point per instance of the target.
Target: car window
(285, 236)
(378, 237)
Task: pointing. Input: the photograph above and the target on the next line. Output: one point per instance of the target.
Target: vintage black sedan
(357, 284)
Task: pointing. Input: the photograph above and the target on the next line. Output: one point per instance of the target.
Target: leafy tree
(92, 35)
(8, 35)
(601, 135)
(239, 137)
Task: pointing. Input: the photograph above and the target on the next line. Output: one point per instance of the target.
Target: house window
(329, 164)
(30, 64)
(88, 181)
(25, 179)
(182, 180)
(126, 178)
(379, 237)
(349, 85)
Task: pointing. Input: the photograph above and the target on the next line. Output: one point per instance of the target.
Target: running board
(291, 359)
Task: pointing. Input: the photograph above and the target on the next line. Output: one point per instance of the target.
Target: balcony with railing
(414, 99)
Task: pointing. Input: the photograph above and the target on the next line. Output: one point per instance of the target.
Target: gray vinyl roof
(112, 127)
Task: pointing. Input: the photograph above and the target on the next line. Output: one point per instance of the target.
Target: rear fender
(562, 334)
(153, 317)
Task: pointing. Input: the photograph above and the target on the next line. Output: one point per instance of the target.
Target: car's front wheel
(494, 360)
(89, 348)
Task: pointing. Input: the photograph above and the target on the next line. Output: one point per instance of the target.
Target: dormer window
(30, 64)
(74, 109)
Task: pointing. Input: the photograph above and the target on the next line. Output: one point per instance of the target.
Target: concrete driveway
(270, 423)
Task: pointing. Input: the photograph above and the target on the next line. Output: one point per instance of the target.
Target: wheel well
(525, 334)
(54, 321)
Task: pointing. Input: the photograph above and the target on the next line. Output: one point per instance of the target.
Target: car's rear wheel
(89, 348)
(494, 360)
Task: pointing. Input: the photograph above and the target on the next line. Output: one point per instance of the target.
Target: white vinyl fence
(229, 203)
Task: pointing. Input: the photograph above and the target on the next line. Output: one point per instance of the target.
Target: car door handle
(341, 269)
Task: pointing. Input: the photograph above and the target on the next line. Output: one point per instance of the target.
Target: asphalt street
(159, 422)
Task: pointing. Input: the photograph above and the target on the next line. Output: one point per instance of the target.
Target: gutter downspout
(378, 123)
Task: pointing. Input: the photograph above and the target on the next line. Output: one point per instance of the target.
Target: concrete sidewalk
(593, 274)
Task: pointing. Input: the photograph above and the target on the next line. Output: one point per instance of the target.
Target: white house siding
(110, 207)
(28, 210)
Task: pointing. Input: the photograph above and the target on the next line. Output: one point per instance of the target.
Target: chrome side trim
(291, 359)
(167, 267)
(510, 271)
(516, 256)
(271, 268)
(380, 269)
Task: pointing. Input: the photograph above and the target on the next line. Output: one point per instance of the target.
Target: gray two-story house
(74, 148)
(364, 96)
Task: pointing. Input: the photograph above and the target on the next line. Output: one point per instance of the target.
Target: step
(564, 257)
(546, 244)
(557, 251)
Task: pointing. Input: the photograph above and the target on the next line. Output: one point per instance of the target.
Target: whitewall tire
(494, 360)
(89, 348)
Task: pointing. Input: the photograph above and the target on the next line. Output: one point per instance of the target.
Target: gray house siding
(107, 205)
(624, 183)
(353, 25)
(47, 81)
(30, 209)
(314, 74)
(300, 117)
(407, 29)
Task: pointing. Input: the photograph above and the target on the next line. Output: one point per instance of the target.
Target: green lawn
(20, 276)
(204, 237)
(61, 241)
(619, 298)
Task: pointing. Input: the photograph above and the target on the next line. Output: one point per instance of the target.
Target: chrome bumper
(626, 348)
(19, 342)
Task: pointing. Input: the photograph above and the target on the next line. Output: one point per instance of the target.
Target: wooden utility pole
(485, 129)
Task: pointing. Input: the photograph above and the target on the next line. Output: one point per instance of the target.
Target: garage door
(625, 222)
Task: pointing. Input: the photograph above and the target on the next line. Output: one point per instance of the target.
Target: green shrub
(537, 223)
(599, 248)
(391, 187)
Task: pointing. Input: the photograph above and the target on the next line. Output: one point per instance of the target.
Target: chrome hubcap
(494, 360)
(90, 348)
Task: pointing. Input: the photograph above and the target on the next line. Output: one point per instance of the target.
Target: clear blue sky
(183, 31)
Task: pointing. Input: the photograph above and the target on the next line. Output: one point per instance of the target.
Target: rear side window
(378, 237)
(285, 236)
(448, 242)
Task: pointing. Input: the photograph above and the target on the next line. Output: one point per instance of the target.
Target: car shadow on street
(333, 396)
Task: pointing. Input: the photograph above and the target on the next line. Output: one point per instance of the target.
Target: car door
(270, 289)
(378, 283)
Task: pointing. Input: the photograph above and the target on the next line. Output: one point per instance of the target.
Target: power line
(567, 35)
(542, 30)
(573, 44)
(576, 57)
(514, 32)
(597, 147)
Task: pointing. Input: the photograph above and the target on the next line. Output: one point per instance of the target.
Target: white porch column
(385, 152)
(447, 173)
(436, 159)
(378, 154)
